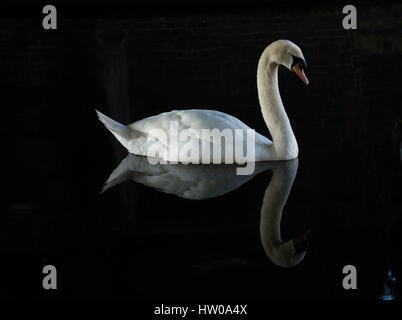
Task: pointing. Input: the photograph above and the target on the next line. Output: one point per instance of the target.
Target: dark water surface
(133, 241)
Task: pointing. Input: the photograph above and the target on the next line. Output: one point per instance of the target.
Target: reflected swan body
(196, 182)
(138, 137)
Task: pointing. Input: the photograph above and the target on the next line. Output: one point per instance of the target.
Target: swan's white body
(139, 134)
(138, 137)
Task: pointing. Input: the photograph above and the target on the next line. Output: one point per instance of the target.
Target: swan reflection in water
(198, 182)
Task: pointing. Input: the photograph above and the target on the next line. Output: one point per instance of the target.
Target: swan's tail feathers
(115, 127)
(120, 131)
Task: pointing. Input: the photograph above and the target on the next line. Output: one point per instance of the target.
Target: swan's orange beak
(300, 73)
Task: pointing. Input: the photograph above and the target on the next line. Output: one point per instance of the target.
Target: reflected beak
(301, 243)
(300, 73)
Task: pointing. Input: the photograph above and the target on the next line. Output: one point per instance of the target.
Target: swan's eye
(296, 60)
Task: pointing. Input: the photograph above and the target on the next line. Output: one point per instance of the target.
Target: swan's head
(288, 254)
(288, 54)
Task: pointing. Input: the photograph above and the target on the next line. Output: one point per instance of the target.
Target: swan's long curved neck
(285, 144)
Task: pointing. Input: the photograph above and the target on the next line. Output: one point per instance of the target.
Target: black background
(139, 59)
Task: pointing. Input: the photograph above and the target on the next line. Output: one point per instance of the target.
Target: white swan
(136, 136)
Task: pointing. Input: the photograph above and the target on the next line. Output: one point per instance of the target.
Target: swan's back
(195, 120)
